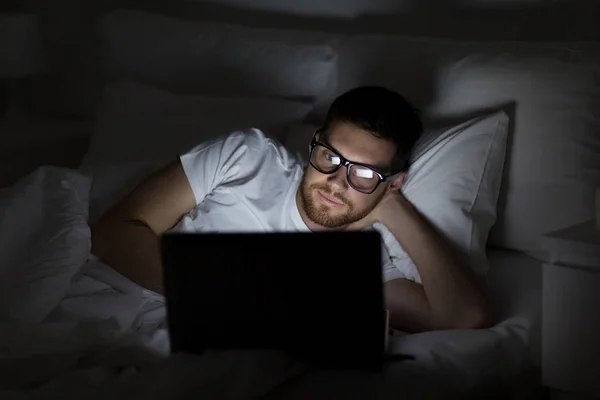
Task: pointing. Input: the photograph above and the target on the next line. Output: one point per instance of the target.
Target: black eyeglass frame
(348, 164)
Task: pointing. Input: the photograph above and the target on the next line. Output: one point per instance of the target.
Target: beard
(322, 215)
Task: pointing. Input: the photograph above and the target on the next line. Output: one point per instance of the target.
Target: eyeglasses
(361, 178)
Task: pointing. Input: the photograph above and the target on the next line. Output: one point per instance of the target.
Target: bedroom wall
(357, 8)
(471, 19)
(475, 19)
(68, 25)
(67, 28)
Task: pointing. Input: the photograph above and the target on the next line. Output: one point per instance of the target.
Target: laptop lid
(316, 296)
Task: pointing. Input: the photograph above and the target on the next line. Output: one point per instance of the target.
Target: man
(246, 182)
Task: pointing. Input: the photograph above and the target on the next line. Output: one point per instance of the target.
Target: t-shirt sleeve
(395, 262)
(234, 157)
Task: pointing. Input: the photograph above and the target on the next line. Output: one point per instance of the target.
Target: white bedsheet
(107, 338)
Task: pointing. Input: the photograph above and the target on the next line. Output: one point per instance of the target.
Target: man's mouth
(329, 200)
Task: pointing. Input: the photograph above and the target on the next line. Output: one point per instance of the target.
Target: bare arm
(126, 237)
(449, 297)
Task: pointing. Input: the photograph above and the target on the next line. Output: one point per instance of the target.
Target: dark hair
(383, 113)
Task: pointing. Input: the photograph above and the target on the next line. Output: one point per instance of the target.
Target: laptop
(316, 296)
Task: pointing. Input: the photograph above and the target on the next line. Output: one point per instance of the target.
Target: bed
(107, 337)
(73, 327)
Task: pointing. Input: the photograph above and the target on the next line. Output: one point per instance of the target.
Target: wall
(68, 25)
(495, 19)
(67, 22)
(357, 8)
(471, 19)
(68, 28)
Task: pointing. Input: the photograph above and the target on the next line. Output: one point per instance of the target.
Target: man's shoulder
(247, 152)
(230, 147)
(263, 147)
(252, 137)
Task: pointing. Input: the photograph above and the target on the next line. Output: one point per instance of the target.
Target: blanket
(72, 327)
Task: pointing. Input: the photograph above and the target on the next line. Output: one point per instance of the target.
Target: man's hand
(390, 205)
(449, 297)
(452, 297)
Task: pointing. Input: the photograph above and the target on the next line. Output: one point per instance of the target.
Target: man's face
(328, 201)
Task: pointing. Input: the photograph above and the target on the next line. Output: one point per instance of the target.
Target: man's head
(360, 153)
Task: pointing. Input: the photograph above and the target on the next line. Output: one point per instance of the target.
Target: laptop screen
(316, 296)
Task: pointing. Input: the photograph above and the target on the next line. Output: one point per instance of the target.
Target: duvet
(72, 327)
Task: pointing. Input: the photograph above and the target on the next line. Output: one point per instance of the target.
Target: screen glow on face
(327, 161)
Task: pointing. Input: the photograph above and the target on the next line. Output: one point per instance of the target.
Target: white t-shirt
(246, 182)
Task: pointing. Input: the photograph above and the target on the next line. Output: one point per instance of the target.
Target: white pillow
(200, 57)
(553, 158)
(455, 178)
(46, 239)
(454, 181)
(139, 122)
(553, 162)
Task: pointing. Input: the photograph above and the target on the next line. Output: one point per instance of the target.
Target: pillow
(200, 57)
(139, 122)
(553, 163)
(47, 211)
(455, 178)
(454, 181)
(553, 156)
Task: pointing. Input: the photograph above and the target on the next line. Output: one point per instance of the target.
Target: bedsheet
(107, 337)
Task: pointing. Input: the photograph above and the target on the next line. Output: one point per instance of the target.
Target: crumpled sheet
(108, 338)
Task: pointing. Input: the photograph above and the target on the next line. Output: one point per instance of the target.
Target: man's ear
(398, 182)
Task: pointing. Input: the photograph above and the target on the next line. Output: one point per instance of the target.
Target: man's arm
(449, 297)
(126, 237)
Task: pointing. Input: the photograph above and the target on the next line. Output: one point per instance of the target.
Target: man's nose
(338, 179)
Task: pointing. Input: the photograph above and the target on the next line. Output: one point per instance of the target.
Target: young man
(246, 182)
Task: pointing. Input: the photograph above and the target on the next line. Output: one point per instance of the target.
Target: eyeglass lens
(361, 178)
